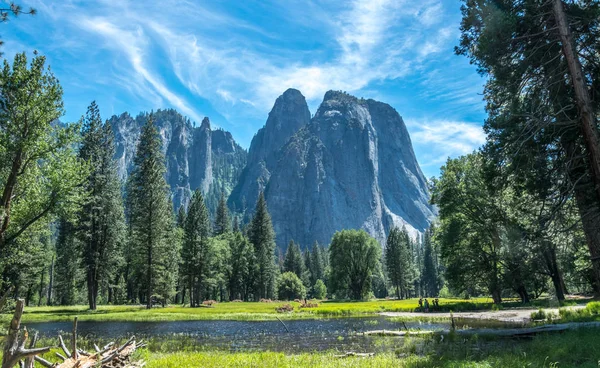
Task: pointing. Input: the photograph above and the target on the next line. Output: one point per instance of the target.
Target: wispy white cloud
(133, 42)
(235, 58)
(441, 139)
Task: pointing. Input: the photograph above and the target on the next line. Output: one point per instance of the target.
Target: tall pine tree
(262, 236)
(150, 212)
(68, 269)
(293, 261)
(222, 221)
(101, 219)
(196, 246)
(430, 279)
(398, 261)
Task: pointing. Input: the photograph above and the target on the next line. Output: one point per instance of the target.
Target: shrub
(319, 289)
(539, 315)
(290, 287)
(285, 308)
(309, 304)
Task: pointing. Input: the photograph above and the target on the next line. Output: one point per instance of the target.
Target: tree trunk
(91, 286)
(588, 204)
(589, 127)
(496, 296)
(41, 292)
(51, 282)
(549, 254)
(523, 294)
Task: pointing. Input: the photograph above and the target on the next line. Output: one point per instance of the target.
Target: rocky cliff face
(289, 114)
(352, 166)
(196, 157)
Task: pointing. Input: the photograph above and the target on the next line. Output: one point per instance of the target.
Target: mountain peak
(205, 124)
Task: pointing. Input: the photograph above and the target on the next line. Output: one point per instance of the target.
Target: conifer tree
(317, 263)
(196, 247)
(293, 261)
(68, 270)
(150, 214)
(262, 236)
(242, 263)
(430, 280)
(181, 217)
(236, 224)
(222, 221)
(101, 219)
(398, 261)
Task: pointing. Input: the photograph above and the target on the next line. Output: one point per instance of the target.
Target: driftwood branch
(14, 347)
(15, 352)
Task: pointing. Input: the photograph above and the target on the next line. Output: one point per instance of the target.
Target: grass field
(252, 310)
(579, 348)
(239, 311)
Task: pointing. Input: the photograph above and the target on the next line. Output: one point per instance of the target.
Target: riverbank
(250, 311)
(580, 348)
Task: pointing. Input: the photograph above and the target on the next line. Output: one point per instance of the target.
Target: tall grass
(579, 348)
(240, 311)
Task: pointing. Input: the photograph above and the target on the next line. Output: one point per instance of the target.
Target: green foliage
(535, 138)
(150, 216)
(398, 261)
(222, 220)
(196, 249)
(290, 287)
(241, 267)
(430, 278)
(355, 255)
(319, 290)
(470, 225)
(317, 264)
(68, 272)
(262, 236)
(101, 219)
(293, 261)
(40, 174)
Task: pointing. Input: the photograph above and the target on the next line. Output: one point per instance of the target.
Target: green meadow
(578, 348)
(242, 311)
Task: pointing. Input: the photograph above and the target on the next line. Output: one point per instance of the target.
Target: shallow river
(303, 335)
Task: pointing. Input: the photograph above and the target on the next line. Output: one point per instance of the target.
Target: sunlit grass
(248, 311)
(579, 348)
(240, 311)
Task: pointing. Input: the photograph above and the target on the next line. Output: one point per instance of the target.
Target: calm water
(304, 335)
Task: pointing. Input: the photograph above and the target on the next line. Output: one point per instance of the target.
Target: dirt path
(511, 315)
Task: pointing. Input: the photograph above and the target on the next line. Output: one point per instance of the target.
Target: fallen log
(108, 357)
(516, 332)
(396, 333)
(509, 332)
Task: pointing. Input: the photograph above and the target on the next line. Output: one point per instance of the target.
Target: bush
(539, 315)
(285, 308)
(311, 304)
(319, 290)
(445, 293)
(290, 287)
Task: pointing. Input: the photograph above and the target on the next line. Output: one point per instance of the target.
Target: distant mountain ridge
(352, 165)
(196, 157)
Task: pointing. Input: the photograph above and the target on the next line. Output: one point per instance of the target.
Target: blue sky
(229, 60)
